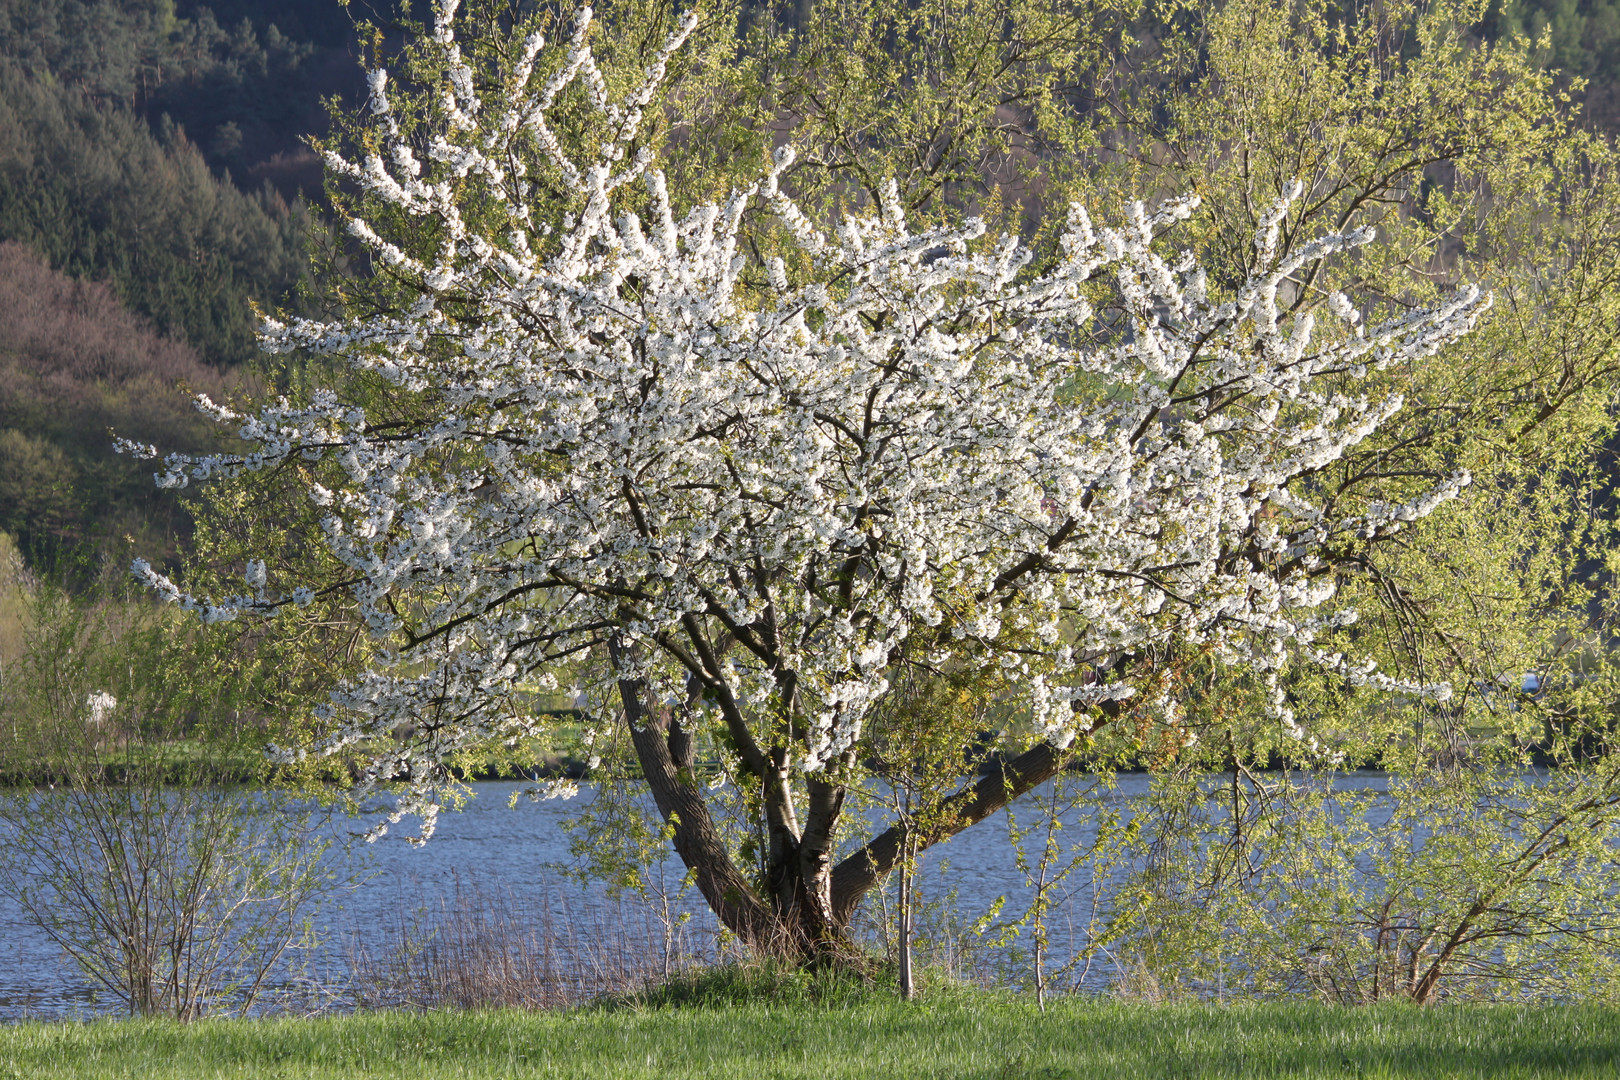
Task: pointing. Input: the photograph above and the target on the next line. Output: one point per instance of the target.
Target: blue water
(511, 857)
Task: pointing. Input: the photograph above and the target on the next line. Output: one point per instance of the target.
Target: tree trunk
(808, 902)
(908, 987)
(796, 918)
(664, 749)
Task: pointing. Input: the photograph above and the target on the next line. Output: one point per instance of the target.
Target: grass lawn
(955, 1036)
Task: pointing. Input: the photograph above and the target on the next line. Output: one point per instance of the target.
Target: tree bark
(664, 750)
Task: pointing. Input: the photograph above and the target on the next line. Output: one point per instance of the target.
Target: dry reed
(476, 947)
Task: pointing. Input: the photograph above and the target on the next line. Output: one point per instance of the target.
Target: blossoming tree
(722, 492)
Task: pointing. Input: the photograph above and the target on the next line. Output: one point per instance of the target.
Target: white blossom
(99, 705)
(954, 445)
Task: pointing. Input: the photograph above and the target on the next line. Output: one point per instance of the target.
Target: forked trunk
(796, 918)
(807, 901)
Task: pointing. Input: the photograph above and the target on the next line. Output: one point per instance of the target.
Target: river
(499, 871)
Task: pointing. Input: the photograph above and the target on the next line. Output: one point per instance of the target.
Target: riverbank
(957, 1035)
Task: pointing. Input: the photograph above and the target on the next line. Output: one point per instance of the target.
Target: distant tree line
(100, 196)
(162, 155)
(1582, 40)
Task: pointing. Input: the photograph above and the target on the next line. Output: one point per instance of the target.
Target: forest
(154, 186)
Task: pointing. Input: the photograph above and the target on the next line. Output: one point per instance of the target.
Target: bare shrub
(127, 836)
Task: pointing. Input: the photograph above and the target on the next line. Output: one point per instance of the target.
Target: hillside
(151, 193)
(76, 364)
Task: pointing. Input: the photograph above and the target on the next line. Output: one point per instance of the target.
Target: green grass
(951, 1036)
